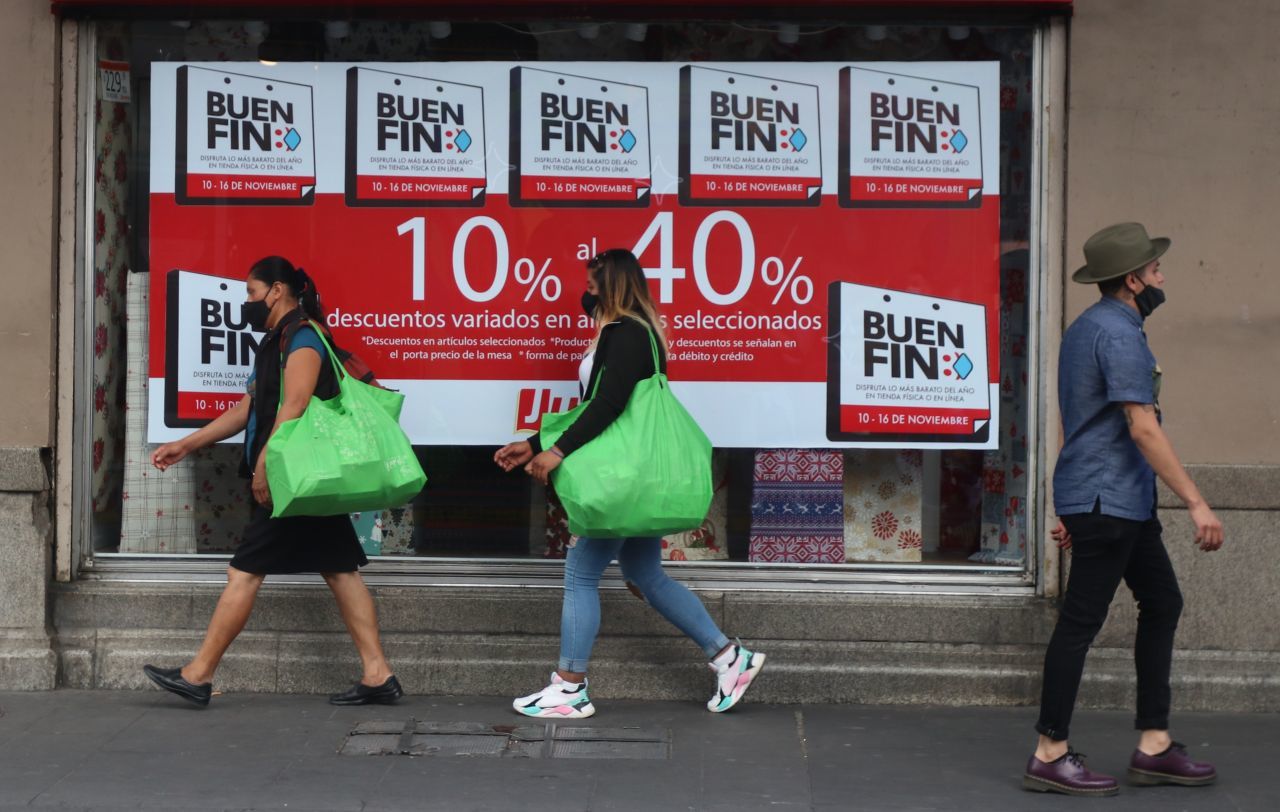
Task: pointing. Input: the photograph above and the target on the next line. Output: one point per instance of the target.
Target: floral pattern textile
(883, 505)
(112, 143)
(707, 542)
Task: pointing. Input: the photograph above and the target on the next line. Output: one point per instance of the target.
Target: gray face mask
(1148, 300)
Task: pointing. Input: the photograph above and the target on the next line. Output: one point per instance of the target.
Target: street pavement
(109, 751)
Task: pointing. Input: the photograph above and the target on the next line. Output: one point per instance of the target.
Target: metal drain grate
(476, 739)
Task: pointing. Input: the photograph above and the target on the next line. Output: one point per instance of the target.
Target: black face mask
(590, 302)
(255, 315)
(1148, 300)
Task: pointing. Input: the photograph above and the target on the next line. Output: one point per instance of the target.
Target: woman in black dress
(280, 301)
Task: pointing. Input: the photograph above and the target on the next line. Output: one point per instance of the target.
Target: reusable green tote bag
(343, 455)
(647, 474)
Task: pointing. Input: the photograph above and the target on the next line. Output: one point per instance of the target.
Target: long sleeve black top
(623, 358)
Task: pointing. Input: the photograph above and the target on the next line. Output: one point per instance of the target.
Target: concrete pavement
(109, 751)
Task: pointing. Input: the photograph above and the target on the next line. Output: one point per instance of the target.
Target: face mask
(1148, 300)
(255, 314)
(590, 302)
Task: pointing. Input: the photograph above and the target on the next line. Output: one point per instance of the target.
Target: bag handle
(338, 369)
(657, 366)
(653, 345)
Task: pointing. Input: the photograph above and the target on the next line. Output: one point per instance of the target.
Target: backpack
(352, 363)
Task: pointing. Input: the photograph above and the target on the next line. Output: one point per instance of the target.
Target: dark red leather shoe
(1173, 766)
(1067, 775)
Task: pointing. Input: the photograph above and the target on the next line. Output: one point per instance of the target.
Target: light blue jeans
(641, 562)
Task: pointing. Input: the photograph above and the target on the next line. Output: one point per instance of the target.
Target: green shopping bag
(343, 455)
(647, 474)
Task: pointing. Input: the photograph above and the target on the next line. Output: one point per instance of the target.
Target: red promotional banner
(837, 323)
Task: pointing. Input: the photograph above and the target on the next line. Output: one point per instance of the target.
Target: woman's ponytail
(309, 297)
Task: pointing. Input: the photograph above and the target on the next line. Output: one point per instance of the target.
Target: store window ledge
(535, 574)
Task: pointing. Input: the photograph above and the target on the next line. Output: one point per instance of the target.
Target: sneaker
(559, 700)
(734, 677)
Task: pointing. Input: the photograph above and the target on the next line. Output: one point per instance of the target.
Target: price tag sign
(113, 81)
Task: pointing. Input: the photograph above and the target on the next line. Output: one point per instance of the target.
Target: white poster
(907, 364)
(414, 140)
(578, 140)
(209, 348)
(910, 138)
(243, 139)
(748, 140)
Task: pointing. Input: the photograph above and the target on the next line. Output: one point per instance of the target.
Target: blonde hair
(624, 291)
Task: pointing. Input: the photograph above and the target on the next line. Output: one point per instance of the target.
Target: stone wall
(27, 662)
(873, 648)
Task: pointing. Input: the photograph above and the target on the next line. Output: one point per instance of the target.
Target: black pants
(1105, 549)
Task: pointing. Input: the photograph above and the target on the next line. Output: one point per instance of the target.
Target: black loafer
(360, 694)
(171, 680)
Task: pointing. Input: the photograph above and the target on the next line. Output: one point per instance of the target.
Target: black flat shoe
(171, 680)
(360, 694)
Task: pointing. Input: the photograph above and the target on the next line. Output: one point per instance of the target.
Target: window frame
(1038, 575)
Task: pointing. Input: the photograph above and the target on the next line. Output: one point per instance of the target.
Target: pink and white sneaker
(559, 700)
(735, 669)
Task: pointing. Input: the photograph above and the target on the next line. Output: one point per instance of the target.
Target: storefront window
(906, 498)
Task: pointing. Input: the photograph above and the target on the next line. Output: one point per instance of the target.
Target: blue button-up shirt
(1104, 363)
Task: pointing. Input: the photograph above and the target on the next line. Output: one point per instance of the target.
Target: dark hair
(270, 270)
(1110, 287)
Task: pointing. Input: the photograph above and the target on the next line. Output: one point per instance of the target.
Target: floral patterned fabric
(112, 142)
(1004, 481)
(708, 541)
(883, 508)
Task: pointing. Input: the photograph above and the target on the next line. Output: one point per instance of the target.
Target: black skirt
(298, 544)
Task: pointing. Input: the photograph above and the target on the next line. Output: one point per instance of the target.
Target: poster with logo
(209, 349)
(243, 139)
(450, 210)
(906, 366)
(578, 140)
(910, 137)
(748, 140)
(413, 140)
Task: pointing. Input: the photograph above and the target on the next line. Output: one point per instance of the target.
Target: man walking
(1105, 498)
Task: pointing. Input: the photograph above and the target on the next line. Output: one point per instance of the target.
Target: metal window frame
(1036, 576)
(75, 372)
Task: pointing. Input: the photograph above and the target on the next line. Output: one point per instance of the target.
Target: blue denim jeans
(641, 562)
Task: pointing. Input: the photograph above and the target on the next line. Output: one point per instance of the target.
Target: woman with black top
(621, 356)
(281, 299)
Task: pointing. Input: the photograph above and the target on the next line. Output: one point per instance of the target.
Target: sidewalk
(86, 750)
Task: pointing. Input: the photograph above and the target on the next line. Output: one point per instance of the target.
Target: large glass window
(913, 507)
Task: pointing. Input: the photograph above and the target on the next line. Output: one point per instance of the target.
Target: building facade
(922, 571)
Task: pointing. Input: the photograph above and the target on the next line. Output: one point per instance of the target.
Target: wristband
(556, 451)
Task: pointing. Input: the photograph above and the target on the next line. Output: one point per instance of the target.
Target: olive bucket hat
(1118, 250)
